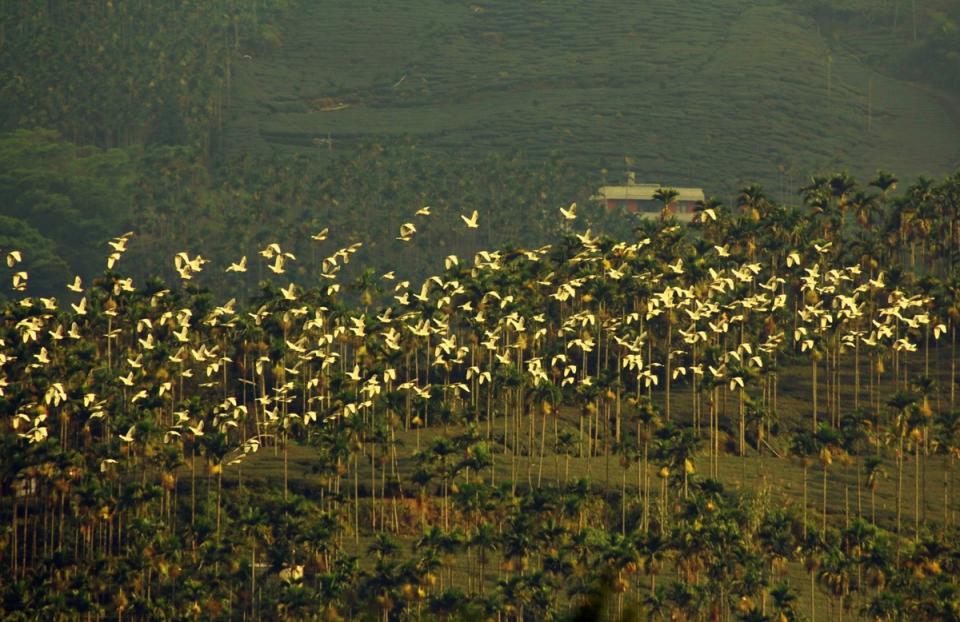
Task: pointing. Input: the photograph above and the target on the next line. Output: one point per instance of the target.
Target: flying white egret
(471, 222)
(181, 335)
(240, 266)
(277, 266)
(128, 437)
(270, 250)
(20, 281)
(407, 230)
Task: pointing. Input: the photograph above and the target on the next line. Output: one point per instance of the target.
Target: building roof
(645, 192)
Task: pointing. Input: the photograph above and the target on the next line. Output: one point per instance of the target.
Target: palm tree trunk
(543, 439)
(669, 357)
(916, 490)
(813, 597)
(219, 495)
(899, 492)
(814, 364)
(743, 424)
(286, 470)
(193, 484)
(953, 366)
(14, 554)
(859, 490)
(356, 498)
(623, 503)
(856, 375)
(253, 580)
(645, 517)
(824, 497)
(946, 491)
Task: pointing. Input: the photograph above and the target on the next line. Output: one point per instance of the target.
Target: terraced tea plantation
(702, 93)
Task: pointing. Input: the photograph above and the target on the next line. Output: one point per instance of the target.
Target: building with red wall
(640, 199)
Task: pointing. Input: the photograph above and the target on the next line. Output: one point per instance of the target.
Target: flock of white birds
(559, 329)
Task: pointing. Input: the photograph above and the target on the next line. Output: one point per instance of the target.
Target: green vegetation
(919, 39)
(311, 314)
(750, 418)
(60, 203)
(297, 114)
(79, 196)
(124, 73)
(700, 93)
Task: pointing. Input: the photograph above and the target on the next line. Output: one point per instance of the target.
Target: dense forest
(401, 382)
(510, 435)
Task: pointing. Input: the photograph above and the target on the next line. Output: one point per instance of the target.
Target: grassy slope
(778, 480)
(794, 399)
(706, 92)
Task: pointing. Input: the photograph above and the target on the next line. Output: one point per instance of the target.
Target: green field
(704, 93)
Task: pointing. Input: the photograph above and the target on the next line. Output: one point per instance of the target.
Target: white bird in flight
(240, 266)
(128, 437)
(19, 281)
(407, 230)
(277, 266)
(708, 213)
(472, 221)
(570, 213)
(119, 245)
(289, 293)
(270, 250)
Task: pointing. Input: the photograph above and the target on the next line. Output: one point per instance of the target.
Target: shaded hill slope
(705, 92)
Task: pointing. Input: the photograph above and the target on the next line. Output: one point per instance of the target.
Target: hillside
(704, 92)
